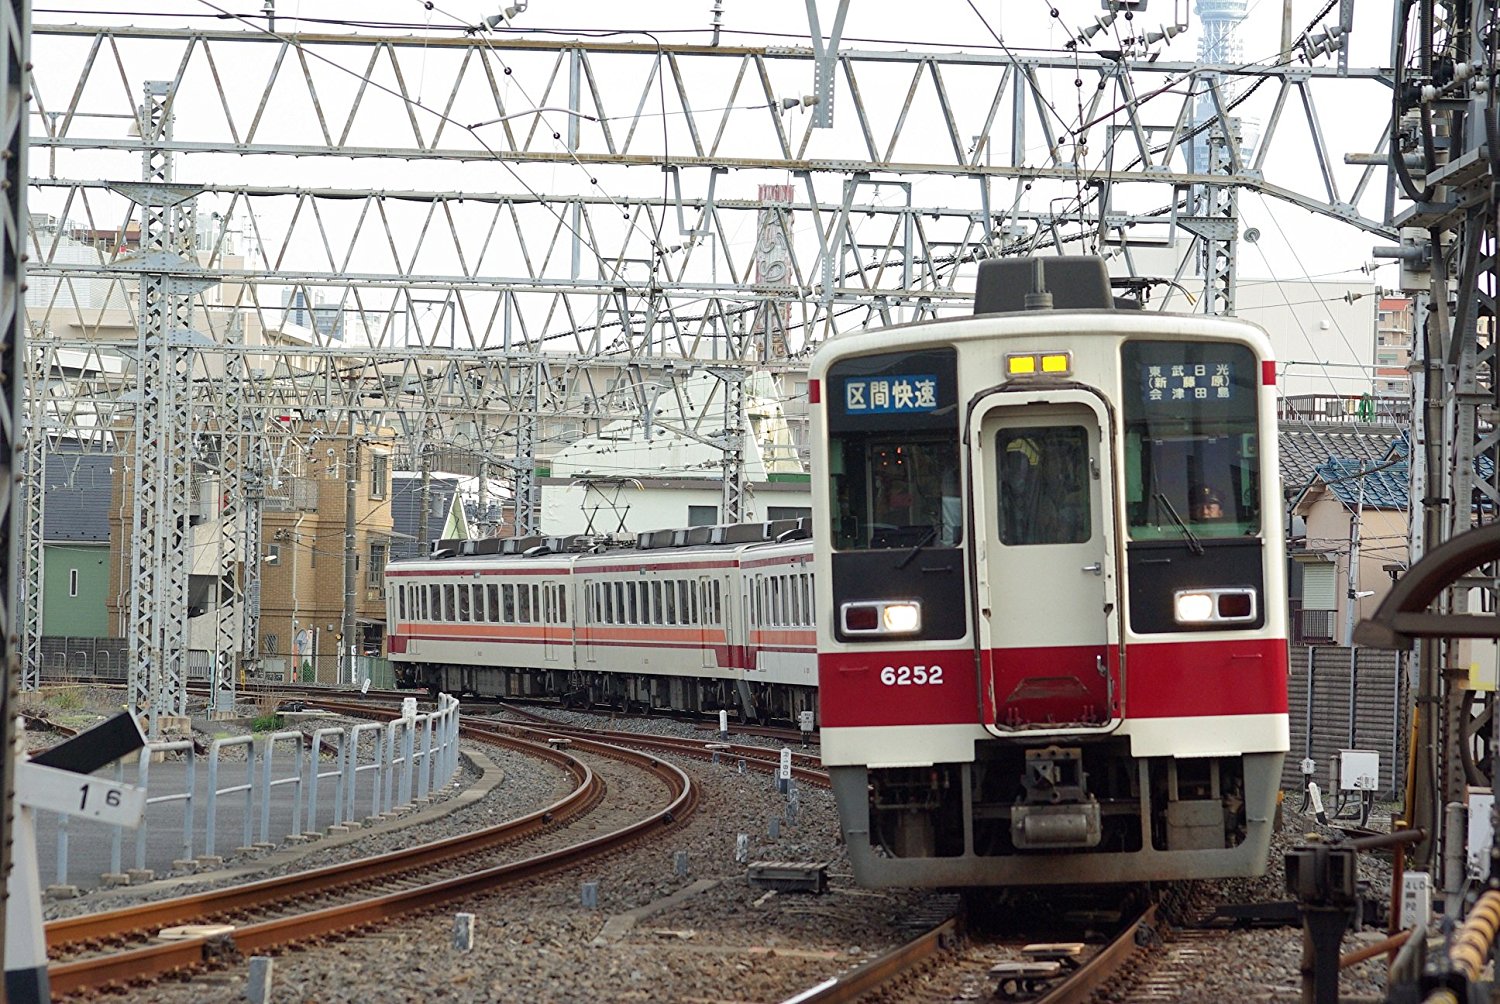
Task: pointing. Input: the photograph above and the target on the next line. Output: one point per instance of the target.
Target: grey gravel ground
(659, 935)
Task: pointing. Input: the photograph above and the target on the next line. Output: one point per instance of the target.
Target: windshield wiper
(1194, 544)
(917, 548)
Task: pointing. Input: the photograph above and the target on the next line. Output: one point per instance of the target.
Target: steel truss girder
(704, 91)
(33, 488)
(1453, 223)
(15, 67)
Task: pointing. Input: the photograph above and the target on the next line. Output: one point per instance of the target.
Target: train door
(588, 618)
(1049, 609)
(709, 633)
(550, 626)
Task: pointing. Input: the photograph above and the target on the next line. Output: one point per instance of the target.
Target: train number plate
(909, 676)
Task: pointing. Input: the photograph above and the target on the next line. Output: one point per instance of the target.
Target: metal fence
(1346, 698)
(65, 659)
(262, 788)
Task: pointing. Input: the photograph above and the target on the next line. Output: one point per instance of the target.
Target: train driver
(1204, 504)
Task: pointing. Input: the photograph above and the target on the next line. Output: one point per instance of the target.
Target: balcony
(1344, 409)
(1311, 627)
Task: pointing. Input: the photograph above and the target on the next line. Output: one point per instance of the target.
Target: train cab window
(1192, 452)
(401, 603)
(893, 462)
(1044, 485)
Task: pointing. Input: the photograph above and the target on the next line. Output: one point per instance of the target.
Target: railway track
(1081, 975)
(114, 948)
(806, 767)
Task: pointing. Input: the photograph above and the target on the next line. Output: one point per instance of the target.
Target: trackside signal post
(59, 780)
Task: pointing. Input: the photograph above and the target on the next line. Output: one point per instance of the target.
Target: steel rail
(141, 965)
(880, 970)
(93, 927)
(760, 755)
(1103, 965)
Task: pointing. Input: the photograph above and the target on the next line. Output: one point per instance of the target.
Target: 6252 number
(906, 676)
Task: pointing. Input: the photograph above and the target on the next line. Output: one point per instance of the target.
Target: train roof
(651, 547)
(1010, 301)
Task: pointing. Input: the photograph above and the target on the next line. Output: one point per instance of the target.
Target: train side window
(462, 592)
(401, 604)
(424, 592)
(718, 607)
(508, 603)
(669, 603)
(447, 613)
(562, 604)
(523, 605)
(492, 603)
(657, 610)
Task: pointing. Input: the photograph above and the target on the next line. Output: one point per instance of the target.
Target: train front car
(1052, 626)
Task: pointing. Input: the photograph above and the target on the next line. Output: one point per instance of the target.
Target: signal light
(1030, 364)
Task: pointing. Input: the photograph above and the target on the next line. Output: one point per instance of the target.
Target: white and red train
(696, 620)
(1045, 588)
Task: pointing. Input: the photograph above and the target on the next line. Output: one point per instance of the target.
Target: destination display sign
(893, 394)
(1188, 381)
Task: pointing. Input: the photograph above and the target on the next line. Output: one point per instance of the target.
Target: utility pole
(1352, 604)
(346, 631)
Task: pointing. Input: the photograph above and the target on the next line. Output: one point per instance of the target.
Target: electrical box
(1358, 770)
(1416, 900)
(1481, 835)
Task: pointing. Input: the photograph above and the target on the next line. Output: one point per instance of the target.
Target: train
(1039, 612)
(698, 619)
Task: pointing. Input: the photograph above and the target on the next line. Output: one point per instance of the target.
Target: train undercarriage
(637, 693)
(1059, 815)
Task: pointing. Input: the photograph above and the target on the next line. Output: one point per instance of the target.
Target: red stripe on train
(1163, 680)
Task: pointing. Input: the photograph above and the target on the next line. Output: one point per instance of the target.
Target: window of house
(703, 515)
(379, 474)
(72, 582)
(273, 554)
(375, 573)
(788, 512)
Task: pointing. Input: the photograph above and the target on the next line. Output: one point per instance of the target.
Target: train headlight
(902, 618)
(881, 617)
(1215, 606)
(1194, 608)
